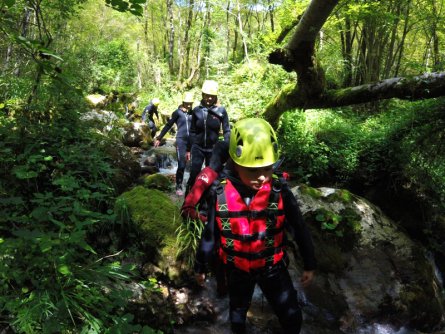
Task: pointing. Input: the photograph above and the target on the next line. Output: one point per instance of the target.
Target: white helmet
(210, 87)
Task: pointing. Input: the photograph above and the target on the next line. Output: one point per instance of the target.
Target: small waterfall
(163, 159)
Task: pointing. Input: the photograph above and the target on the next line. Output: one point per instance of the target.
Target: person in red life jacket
(148, 113)
(206, 177)
(249, 209)
(207, 120)
(182, 118)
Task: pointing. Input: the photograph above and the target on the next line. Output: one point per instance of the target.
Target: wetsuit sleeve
(169, 124)
(193, 127)
(225, 125)
(220, 155)
(145, 112)
(207, 244)
(298, 229)
(156, 112)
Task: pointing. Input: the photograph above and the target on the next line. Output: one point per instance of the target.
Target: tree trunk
(435, 36)
(187, 43)
(241, 32)
(285, 31)
(270, 9)
(402, 41)
(171, 36)
(414, 88)
(226, 58)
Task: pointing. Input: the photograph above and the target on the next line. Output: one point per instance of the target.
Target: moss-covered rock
(156, 181)
(152, 217)
(368, 264)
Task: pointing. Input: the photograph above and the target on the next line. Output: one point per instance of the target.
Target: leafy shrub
(187, 241)
(322, 143)
(56, 190)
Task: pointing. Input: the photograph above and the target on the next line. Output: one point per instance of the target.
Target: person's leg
(220, 276)
(279, 291)
(152, 127)
(154, 130)
(207, 156)
(181, 150)
(241, 287)
(196, 165)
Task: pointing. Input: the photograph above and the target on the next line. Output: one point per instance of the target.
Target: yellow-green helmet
(155, 101)
(188, 97)
(253, 143)
(210, 87)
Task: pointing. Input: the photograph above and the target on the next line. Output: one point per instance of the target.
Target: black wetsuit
(183, 121)
(149, 111)
(204, 134)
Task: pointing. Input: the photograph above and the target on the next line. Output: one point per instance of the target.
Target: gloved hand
(203, 182)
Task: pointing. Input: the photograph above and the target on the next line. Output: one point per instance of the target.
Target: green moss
(157, 181)
(313, 192)
(341, 228)
(152, 215)
(341, 195)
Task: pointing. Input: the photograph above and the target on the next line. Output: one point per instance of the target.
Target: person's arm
(204, 180)
(220, 155)
(207, 242)
(193, 126)
(173, 119)
(225, 125)
(156, 112)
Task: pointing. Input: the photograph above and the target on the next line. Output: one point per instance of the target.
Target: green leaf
(67, 183)
(320, 217)
(40, 213)
(22, 172)
(328, 226)
(11, 201)
(64, 270)
(87, 247)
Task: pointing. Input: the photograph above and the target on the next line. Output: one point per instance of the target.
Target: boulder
(137, 135)
(157, 181)
(152, 218)
(369, 269)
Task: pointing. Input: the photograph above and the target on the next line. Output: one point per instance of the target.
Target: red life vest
(251, 235)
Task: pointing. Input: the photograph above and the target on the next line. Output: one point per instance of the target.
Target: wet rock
(369, 269)
(136, 135)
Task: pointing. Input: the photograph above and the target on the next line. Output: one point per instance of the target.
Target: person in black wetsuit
(207, 120)
(149, 112)
(182, 118)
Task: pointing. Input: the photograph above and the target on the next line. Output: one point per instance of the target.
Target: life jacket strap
(268, 252)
